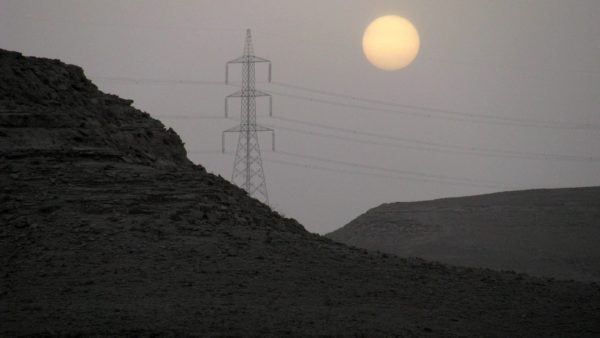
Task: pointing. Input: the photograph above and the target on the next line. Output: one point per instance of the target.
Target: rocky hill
(106, 229)
(552, 233)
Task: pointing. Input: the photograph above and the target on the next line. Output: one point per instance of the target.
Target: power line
(438, 178)
(424, 112)
(420, 145)
(423, 108)
(361, 173)
(430, 149)
(363, 108)
(188, 117)
(158, 81)
(206, 152)
(431, 146)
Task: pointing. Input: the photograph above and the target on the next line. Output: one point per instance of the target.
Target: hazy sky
(503, 95)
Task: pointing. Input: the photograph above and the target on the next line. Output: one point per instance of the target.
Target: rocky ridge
(547, 233)
(106, 229)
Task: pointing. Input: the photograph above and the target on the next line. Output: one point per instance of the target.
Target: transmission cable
(427, 145)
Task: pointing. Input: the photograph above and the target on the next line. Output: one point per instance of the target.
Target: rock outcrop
(50, 107)
(548, 233)
(107, 229)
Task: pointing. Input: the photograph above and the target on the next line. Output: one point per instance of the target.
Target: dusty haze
(534, 65)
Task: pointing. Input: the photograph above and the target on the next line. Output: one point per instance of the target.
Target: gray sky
(503, 95)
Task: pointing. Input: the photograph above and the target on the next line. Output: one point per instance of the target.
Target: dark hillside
(552, 233)
(106, 229)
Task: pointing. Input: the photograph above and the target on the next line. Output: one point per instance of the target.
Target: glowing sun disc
(391, 42)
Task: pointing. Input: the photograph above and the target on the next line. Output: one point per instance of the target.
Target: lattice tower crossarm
(248, 172)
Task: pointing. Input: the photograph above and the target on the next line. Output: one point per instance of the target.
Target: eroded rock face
(106, 229)
(51, 107)
(547, 233)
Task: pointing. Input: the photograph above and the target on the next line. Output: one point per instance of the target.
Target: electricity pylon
(248, 170)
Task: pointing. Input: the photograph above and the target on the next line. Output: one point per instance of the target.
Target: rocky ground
(106, 229)
(547, 233)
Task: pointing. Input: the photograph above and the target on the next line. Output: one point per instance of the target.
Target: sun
(391, 42)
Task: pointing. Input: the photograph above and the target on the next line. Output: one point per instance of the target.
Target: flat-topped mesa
(47, 106)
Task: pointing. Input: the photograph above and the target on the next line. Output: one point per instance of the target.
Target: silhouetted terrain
(108, 230)
(553, 233)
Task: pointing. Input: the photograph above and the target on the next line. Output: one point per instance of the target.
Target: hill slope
(108, 230)
(552, 233)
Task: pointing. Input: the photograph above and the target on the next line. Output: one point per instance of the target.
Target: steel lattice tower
(248, 170)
